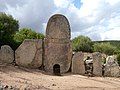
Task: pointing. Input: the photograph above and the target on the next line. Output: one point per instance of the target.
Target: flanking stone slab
(58, 50)
(97, 64)
(6, 54)
(78, 66)
(112, 68)
(30, 53)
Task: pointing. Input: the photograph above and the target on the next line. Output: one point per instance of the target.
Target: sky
(97, 19)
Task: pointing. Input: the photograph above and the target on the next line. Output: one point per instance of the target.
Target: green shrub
(118, 58)
(82, 43)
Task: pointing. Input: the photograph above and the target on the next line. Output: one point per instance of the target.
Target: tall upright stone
(6, 54)
(97, 64)
(58, 51)
(30, 53)
(78, 66)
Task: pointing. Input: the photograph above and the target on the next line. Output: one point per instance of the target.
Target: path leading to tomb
(14, 77)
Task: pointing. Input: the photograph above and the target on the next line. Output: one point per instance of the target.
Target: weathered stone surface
(89, 66)
(29, 53)
(58, 49)
(111, 67)
(78, 66)
(58, 27)
(97, 64)
(6, 54)
(86, 55)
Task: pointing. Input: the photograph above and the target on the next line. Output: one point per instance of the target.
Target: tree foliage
(106, 48)
(27, 33)
(8, 27)
(10, 34)
(82, 43)
(115, 43)
(118, 58)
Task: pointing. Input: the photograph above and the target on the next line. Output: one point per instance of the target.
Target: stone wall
(30, 55)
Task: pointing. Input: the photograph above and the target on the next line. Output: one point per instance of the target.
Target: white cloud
(113, 34)
(112, 2)
(89, 6)
(62, 3)
(98, 19)
(33, 13)
(95, 18)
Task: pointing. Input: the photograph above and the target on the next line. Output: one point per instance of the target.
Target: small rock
(6, 86)
(11, 87)
(53, 84)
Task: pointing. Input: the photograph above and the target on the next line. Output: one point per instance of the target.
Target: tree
(82, 43)
(106, 48)
(8, 27)
(27, 33)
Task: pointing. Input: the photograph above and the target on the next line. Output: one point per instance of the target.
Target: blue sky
(97, 19)
(77, 3)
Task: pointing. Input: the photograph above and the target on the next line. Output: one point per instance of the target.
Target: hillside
(112, 42)
(24, 79)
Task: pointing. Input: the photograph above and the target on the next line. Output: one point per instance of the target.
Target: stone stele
(6, 54)
(97, 64)
(29, 53)
(78, 66)
(111, 67)
(58, 49)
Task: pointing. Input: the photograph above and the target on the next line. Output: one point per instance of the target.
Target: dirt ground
(33, 79)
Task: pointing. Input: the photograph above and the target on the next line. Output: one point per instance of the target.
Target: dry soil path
(21, 79)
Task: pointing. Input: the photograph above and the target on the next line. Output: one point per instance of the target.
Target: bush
(105, 48)
(82, 43)
(118, 58)
(26, 33)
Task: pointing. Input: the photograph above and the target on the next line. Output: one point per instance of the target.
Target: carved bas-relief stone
(111, 67)
(58, 51)
(6, 54)
(97, 64)
(29, 53)
(78, 66)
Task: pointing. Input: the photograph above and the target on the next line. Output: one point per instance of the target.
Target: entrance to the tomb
(56, 69)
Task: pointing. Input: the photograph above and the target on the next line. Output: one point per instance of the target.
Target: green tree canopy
(82, 43)
(8, 27)
(27, 33)
(106, 48)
